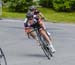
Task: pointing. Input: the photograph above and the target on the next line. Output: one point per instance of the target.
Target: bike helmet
(36, 12)
(29, 15)
(31, 8)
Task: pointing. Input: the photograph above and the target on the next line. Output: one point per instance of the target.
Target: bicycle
(2, 58)
(43, 43)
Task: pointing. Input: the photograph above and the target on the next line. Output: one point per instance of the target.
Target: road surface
(19, 50)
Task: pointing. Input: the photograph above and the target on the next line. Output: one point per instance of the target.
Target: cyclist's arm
(25, 24)
(42, 16)
(25, 20)
(26, 28)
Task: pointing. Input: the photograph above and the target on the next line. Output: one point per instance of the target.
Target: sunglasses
(30, 19)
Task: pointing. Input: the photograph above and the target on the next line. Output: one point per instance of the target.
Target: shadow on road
(35, 55)
(13, 27)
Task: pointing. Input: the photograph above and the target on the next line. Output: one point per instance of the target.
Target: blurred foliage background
(18, 5)
(53, 10)
(57, 5)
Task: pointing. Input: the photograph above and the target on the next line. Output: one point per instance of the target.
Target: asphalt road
(19, 50)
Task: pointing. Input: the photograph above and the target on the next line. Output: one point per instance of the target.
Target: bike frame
(43, 43)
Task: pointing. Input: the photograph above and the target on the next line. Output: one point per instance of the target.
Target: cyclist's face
(34, 11)
(31, 21)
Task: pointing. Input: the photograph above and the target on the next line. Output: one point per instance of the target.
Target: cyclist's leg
(42, 24)
(32, 34)
(47, 38)
(49, 34)
(44, 27)
(45, 35)
(29, 31)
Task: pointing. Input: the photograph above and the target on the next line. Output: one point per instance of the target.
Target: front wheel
(44, 43)
(45, 50)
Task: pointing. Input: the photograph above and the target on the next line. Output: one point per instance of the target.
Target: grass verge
(50, 15)
(12, 15)
(53, 16)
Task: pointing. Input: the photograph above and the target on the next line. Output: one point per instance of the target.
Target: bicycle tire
(44, 48)
(3, 58)
(46, 53)
(48, 50)
(45, 43)
(51, 53)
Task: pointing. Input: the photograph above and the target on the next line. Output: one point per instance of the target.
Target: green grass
(50, 15)
(12, 15)
(53, 16)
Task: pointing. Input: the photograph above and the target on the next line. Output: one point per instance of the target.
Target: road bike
(2, 58)
(43, 43)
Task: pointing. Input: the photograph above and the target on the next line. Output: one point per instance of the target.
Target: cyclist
(33, 23)
(36, 14)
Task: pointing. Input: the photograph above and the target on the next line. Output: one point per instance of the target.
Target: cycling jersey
(34, 25)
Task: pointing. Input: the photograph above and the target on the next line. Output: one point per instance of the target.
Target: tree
(64, 5)
(59, 5)
(45, 3)
(19, 5)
